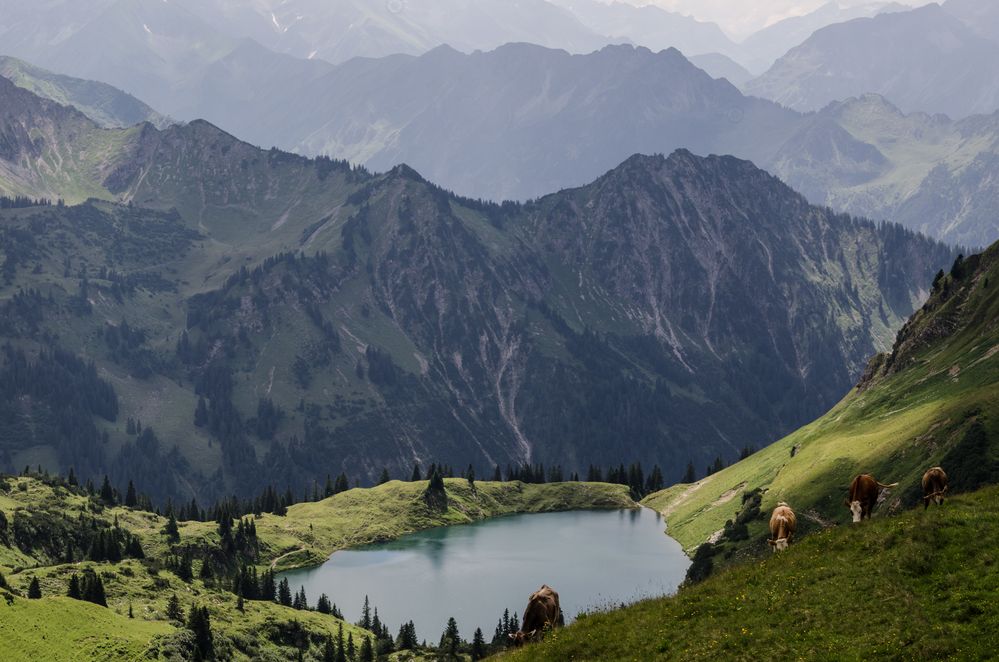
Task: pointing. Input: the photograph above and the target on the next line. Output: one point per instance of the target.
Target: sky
(741, 17)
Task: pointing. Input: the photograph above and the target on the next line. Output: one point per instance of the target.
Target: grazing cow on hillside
(864, 492)
(934, 486)
(782, 526)
(543, 611)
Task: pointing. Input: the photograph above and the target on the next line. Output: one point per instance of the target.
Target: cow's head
(779, 545)
(520, 638)
(856, 510)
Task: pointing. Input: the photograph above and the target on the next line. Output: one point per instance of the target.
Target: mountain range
(932, 174)
(567, 119)
(258, 310)
(933, 59)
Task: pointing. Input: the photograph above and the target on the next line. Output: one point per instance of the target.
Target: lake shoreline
(312, 532)
(596, 558)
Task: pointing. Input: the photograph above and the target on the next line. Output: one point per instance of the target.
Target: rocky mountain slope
(257, 310)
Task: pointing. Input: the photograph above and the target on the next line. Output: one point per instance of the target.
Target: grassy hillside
(933, 400)
(920, 586)
(65, 629)
(40, 517)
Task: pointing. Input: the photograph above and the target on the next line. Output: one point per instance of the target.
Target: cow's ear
(512, 636)
(846, 502)
(771, 542)
(530, 635)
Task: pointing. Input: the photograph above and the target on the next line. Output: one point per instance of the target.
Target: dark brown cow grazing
(543, 611)
(864, 492)
(782, 526)
(934, 486)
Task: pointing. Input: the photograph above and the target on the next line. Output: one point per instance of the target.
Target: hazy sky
(741, 17)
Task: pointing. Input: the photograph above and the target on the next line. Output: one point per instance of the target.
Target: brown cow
(543, 612)
(782, 526)
(864, 492)
(934, 486)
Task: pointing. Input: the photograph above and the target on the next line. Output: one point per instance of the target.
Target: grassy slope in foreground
(921, 586)
(65, 629)
(899, 425)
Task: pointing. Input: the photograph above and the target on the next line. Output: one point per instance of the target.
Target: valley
(445, 330)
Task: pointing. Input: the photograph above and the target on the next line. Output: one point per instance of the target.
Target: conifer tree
(171, 530)
(185, 568)
(199, 622)
(34, 589)
(688, 475)
(107, 492)
(300, 602)
(341, 654)
(284, 593)
(365, 621)
(342, 484)
(367, 650)
(92, 588)
(416, 474)
(450, 641)
(74, 588)
(131, 500)
(384, 478)
(173, 611)
(478, 645)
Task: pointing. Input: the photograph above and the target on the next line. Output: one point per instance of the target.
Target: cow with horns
(782, 525)
(934, 486)
(864, 491)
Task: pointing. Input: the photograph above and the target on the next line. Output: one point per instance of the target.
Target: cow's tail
(882, 485)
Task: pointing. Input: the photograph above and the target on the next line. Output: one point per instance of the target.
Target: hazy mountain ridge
(104, 104)
(925, 59)
(929, 173)
(418, 325)
(565, 119)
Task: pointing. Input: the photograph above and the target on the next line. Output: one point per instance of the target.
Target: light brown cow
(782, 526)
(864, 492)
(934, 486)
(543, 612)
